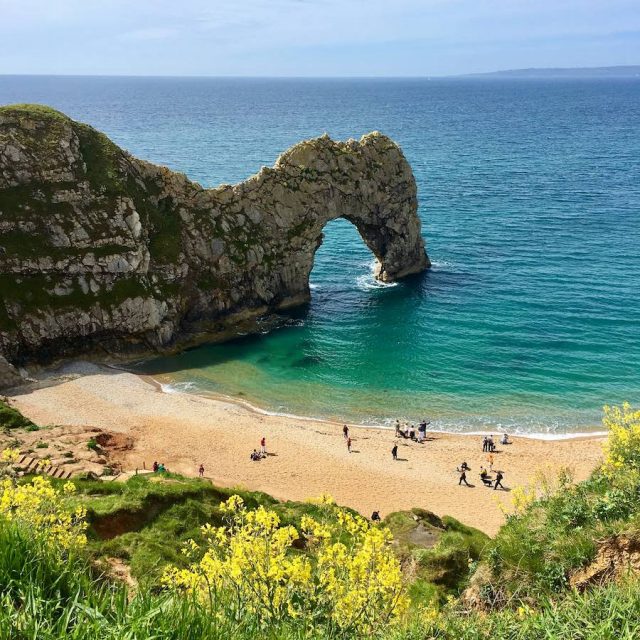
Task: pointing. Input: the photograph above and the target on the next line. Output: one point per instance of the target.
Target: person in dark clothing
(465, 467)
(463, 477)
(486, 479)
(375, 516)
(499, 477)
(155, 466)
(485, 444)
(394, 452)
(345, 431)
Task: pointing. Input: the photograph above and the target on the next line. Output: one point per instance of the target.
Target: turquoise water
(530, 200)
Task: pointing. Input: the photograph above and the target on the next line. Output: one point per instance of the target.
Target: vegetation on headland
(310, 570)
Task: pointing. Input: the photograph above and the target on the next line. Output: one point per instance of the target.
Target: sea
(529, 195)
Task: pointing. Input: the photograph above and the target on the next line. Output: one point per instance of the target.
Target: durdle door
(100, 249)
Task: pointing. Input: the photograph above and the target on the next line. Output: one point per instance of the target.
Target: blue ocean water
(530, 201)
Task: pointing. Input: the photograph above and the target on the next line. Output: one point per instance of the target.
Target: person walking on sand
(201, 471)
(394, 452)
(490, 460)
(349, 444)
(499, 477)
(463, 477)
(345, 431)
(263, 446)
(397, 428)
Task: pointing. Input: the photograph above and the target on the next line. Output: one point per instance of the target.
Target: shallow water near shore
(530, 200)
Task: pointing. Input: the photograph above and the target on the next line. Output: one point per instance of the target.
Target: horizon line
(317, 77)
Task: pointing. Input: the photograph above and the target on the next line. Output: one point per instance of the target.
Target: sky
(313, 37)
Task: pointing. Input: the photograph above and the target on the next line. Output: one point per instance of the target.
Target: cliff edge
(101, 249)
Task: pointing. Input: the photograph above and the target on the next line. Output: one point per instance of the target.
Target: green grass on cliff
(44, 596)
(11, 418)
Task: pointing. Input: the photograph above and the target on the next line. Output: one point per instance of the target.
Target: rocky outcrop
(98, 248)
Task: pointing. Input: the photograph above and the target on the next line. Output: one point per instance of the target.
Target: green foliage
(92, 444)
(11, 418)
(439, 550)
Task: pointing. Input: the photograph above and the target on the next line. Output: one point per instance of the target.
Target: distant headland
(621, 71)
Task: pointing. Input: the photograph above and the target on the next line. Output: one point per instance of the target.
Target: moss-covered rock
(437, 552)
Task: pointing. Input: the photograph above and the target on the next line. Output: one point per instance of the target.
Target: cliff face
(100, 248)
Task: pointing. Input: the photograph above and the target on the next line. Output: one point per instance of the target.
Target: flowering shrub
(348, 578)
(41, 509)
(623, 446)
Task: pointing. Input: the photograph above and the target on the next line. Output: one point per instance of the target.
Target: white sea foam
(366, 282)
(179, 387)
(440, 264)
(434, 427)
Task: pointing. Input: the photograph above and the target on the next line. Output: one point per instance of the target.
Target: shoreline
(308, 457)
(212, 395)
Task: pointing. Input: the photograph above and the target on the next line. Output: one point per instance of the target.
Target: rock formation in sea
(99, 249)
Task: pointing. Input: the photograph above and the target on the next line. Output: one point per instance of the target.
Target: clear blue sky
(313, 37)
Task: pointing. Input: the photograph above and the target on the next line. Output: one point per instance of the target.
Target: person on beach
(263, 447)
(345, 431)
(255, 456)
(492, 446)
(463, 477)
(484, 476)
(161, 468)
(505, 439)
(394, 452)
(398, 431)
(349, 445)
(499, 477)
(375, 516)
(485, 444)
(490, 460)
(201, 471)
(465, 467)
(155, 467)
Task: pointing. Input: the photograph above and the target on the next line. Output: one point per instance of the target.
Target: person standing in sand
(463, 477)
(263, 446)
(201, 470)
(345, 431)
(499, 477)
(349, 444)
(394, 452)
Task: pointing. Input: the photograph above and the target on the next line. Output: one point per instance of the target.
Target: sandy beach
(307, 457)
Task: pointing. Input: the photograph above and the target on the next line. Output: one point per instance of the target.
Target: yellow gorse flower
(42, 510)
(349, 575)
(623, 445)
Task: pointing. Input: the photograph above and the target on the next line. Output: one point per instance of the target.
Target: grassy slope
(11, 418)
(146, 520)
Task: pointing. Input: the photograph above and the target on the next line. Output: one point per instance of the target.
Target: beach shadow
(402, 459)
(355, 450)
(468, 486)
(272, 455)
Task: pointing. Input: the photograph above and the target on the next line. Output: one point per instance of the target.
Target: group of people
(158, 467)
(489, 445)
(485, 477)
(410, 432)
(259, 455)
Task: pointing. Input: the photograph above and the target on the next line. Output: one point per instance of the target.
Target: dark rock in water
(102, 250)
(306, 361)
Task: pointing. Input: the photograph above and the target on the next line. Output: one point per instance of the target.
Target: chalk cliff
(101, 249)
